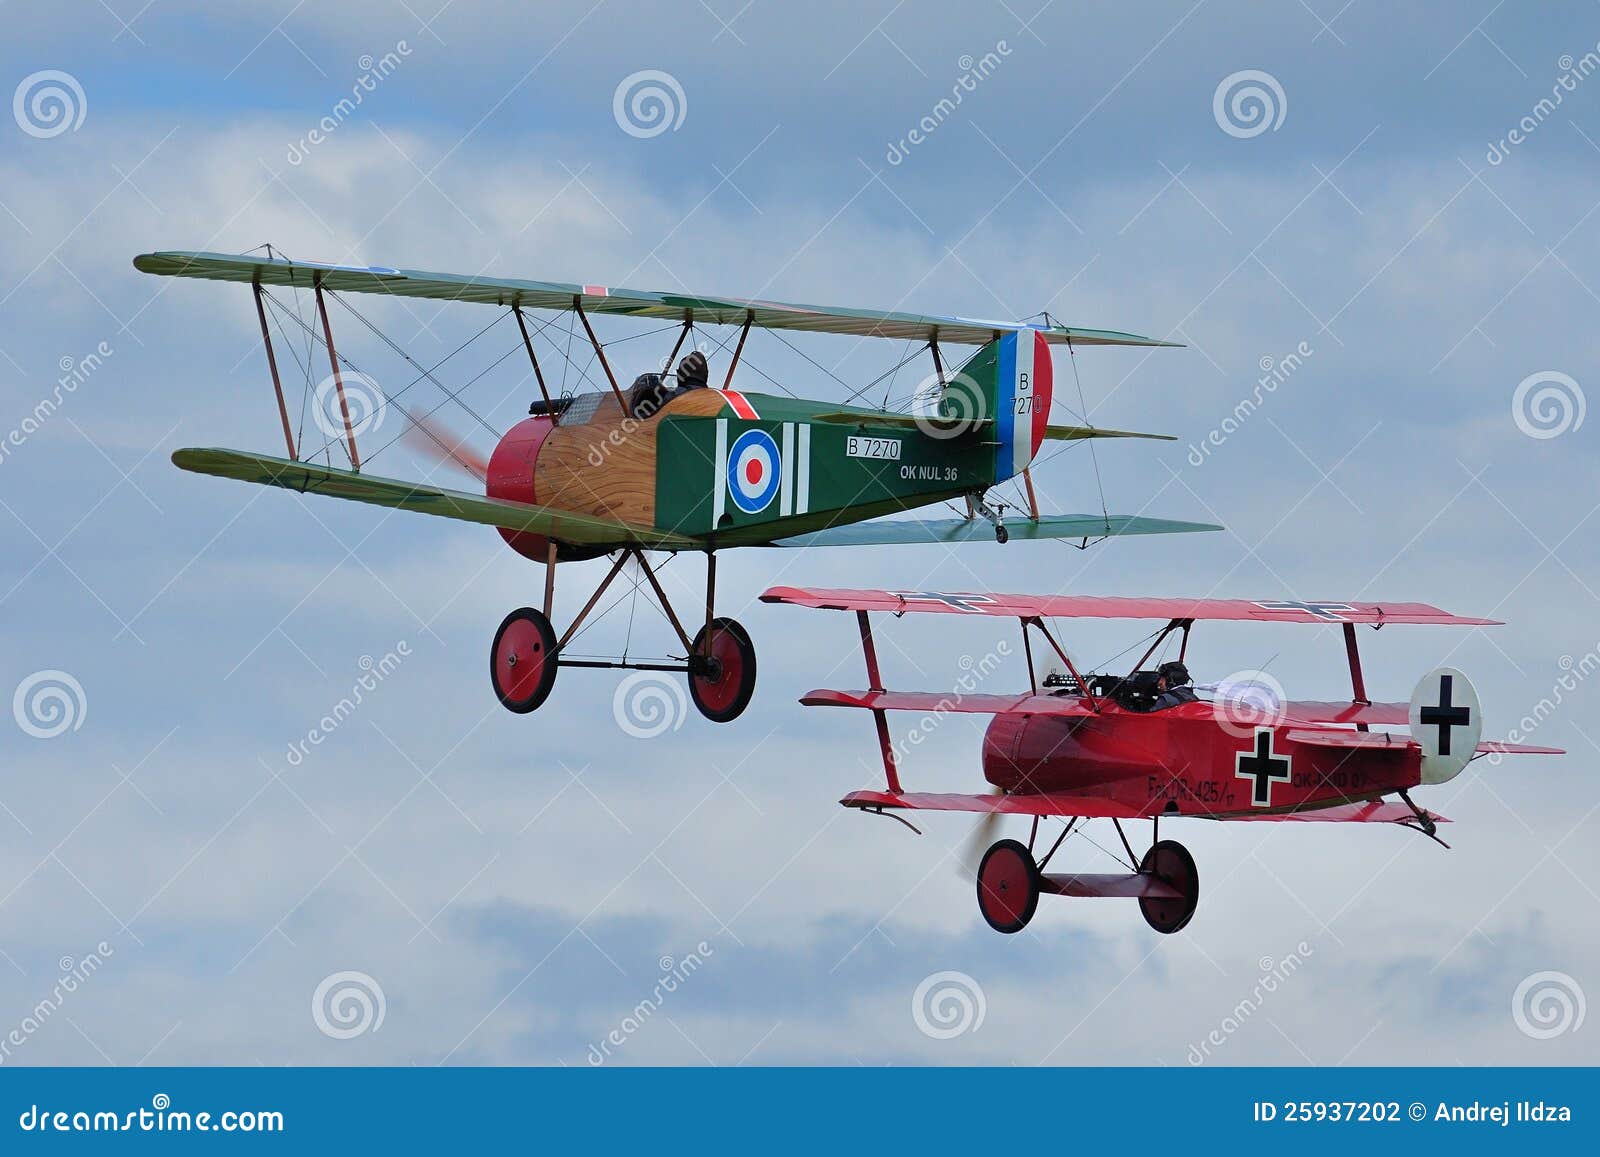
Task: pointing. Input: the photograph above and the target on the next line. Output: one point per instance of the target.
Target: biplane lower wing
(909, 531)
(1092, 807)
(310, 478)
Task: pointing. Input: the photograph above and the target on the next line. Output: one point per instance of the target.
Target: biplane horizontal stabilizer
(977, 530)
(945, 427)
(309, 477)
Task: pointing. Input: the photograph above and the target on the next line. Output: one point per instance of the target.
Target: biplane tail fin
(1008, 381)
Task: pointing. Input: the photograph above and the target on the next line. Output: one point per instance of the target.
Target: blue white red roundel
(754, 469)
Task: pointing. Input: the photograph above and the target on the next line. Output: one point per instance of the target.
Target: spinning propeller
(437, 443)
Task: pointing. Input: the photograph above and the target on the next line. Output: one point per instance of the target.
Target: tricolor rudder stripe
(1017, 394)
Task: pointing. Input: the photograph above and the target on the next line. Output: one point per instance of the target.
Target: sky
(1397, 198)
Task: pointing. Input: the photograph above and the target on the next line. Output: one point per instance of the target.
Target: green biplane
(664, 467)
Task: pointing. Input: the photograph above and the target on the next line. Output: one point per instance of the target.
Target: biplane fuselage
(680, 470)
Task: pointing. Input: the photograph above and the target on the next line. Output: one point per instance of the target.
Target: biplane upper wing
(901, 530)
(1098, 607)
(939, 702)
(506, 292)
(310, 478)
(1093, 807)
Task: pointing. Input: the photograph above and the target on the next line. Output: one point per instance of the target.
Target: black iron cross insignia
(968, 603)
(1327, 611)
(1263, 767)
(1444, 715)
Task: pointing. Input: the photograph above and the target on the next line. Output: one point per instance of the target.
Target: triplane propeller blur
(665, 466)
(1146, 745)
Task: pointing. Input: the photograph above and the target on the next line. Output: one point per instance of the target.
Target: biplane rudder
(1008, 381)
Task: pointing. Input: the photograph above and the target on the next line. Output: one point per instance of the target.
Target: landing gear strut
(1010, 882)
(720, 661)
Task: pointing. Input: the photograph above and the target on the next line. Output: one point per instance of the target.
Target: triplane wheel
(1008, 886)
(522, 662)
(722, 677)
(1171, 863)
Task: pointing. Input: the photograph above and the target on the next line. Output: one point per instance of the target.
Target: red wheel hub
(1008, 886)
(519, 659)
(718, 689)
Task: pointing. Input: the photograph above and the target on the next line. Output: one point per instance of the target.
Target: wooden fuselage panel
(607, 465)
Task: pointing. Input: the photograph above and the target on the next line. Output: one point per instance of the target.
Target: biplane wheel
(1170, 862)
(1002, 535)
(1008, 886)
(722, 689)
(522, 662)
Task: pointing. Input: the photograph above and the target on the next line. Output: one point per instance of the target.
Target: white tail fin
(1446, 721)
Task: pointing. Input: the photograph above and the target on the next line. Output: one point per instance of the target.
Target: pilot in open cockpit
(650, 392)
(1173, 686)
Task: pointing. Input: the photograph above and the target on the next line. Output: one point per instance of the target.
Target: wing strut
(272, 364)
(555, 418)
(338, 378)
(599, 352)
(880, 717)
(1358, 685)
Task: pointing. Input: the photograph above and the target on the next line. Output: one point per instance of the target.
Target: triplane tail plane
(673, 462)
(1152, 745)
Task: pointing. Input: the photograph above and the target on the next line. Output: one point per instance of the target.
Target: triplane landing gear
(1166, 884)
(720, 661)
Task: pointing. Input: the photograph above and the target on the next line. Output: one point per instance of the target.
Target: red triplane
(1145, 746)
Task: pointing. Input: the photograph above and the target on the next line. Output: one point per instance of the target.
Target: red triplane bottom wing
(1054, 804)
(1090, 807)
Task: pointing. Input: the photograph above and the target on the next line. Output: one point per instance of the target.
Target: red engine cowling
(1032, 753)
(511, 477)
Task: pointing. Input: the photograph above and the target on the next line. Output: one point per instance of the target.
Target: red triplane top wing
(1097, 607)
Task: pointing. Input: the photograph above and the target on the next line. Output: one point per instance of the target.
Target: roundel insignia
(754, 471)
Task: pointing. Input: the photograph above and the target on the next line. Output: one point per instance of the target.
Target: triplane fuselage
(1146, 745)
